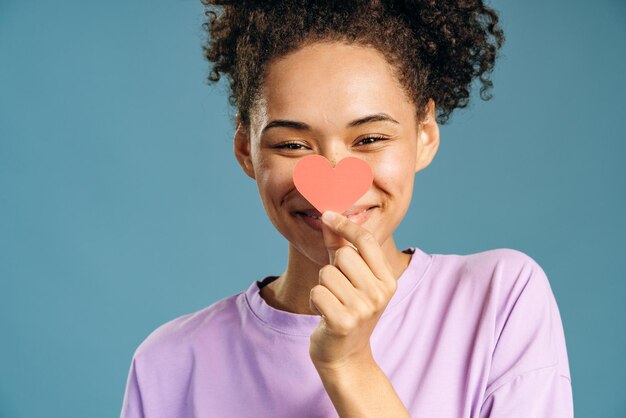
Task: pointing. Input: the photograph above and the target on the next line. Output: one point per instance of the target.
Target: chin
(315, 251)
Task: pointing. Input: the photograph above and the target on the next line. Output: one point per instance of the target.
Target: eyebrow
(377, 117)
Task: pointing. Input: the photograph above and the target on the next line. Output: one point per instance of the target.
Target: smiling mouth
(314, 221)
(319, 216)
(310, 216)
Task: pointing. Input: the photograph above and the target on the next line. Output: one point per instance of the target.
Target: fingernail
(329, 216)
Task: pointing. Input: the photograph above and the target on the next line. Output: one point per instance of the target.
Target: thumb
(332, 240)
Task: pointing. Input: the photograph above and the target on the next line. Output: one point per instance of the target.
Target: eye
(295, 146)
(288, 145)
(382, 138)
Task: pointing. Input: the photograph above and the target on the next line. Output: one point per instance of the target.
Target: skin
(347, 273)
(343, 82)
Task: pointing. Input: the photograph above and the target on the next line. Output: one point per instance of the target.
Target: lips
(351, 211)
(358, 214)
(309, 212)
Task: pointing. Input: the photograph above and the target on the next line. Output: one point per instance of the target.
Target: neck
(290, 292)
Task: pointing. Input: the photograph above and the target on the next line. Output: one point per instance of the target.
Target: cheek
(393, 171)
(274, 182)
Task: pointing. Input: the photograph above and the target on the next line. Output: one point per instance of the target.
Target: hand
(353, 293)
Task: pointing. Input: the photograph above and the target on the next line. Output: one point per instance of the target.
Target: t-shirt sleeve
(529, 373)
(132, 406)
(542, 393)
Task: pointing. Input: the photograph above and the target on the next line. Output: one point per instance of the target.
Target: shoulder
(508, 261)
(509, 291)
(513, 281)
(499, 270)
(180, 335)
(514, 273)
(522, 312)
(166, 359)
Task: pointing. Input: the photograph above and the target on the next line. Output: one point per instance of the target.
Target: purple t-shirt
(475, 336)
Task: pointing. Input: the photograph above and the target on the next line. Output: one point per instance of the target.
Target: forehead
(329, 83)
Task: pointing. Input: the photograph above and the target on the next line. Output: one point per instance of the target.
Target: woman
(354, 326)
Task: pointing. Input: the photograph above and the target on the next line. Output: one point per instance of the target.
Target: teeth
(318, 217)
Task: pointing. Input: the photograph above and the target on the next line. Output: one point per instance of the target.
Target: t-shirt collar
(303, 324)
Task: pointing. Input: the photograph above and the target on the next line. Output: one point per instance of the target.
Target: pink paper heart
(332, 189)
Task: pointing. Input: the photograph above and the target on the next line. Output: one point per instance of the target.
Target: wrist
(360, 363)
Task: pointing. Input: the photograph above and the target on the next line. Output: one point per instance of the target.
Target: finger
(322, 300)
(333, 242)
(363, 240)
(339, 285)
(351, 265)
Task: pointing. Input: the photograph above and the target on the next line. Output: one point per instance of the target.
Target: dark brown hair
(436, 47)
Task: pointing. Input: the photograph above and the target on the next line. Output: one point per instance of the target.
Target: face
(320, 89)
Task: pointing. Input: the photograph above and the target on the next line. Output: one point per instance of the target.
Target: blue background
(122, 205)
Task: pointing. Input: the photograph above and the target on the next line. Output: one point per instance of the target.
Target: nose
(334, 153)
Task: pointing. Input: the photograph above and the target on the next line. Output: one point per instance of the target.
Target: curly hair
(435, 47)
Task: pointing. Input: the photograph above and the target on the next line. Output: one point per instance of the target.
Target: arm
(132, 405)
(362, 390)
(529, 375)
(354, 291)
(541, 393)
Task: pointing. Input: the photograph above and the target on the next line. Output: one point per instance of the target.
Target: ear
(427, 137)
(241, 146)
